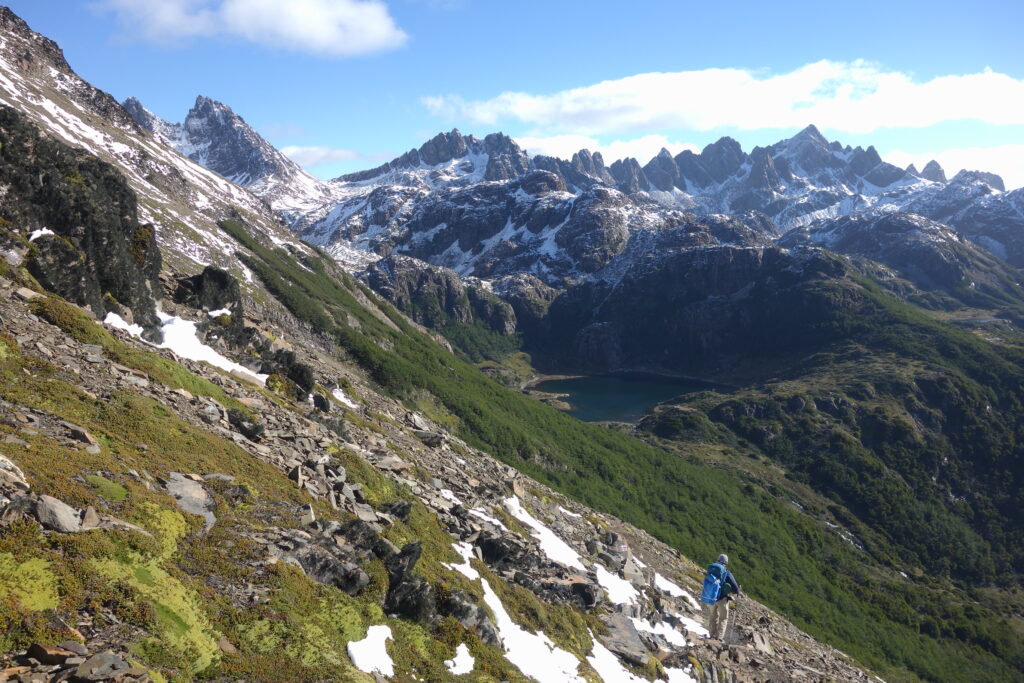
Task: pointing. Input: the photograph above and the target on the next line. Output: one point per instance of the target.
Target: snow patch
(36, 234)
(463, 661)
(619, 591)
(568, 513)
(679, 675)
(673, 636)
(448, 495)
(534, 653)
(692, 625)
(219, 312)
(666, 586)
(117, 322)
(477, 512)
(370, 654)
(340, 396)
(180, 337)
(550, 544)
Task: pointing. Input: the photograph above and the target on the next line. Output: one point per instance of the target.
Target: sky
(342, 85)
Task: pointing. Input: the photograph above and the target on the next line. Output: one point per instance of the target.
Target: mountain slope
(216, 138)
(411, 423)
(182, 199)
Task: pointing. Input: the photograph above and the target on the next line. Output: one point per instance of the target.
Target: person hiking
(720, 588)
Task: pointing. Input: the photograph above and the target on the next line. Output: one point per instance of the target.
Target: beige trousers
(716, 616)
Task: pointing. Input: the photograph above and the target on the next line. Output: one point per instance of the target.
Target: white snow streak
(36, 234)
(555, 548)
(534, 653)
(117, 322)
(180, 337)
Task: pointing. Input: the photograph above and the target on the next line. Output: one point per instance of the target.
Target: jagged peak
(724, 143)
(912, 170)
(965, 177)
(811, 132)
(933, 171)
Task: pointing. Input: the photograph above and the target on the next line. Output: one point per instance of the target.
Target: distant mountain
(216, 137)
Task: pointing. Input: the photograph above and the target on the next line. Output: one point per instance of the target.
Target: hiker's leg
(723, 618)
(711, 619)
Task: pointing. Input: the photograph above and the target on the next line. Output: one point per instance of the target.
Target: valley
(615, 398)
(370, 466)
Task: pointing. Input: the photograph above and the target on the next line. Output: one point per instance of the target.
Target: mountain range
(262, 426)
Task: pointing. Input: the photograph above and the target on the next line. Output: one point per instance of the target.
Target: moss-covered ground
(173, 592)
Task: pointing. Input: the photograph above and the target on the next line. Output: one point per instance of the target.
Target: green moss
(184, 636)
(110, 490)
(30, 584)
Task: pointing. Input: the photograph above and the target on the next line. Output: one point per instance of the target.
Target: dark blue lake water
(621, 398)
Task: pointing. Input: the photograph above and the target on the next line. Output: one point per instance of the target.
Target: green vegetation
(476, 342)
(784, 556)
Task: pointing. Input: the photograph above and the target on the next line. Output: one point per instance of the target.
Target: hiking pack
(715, 586)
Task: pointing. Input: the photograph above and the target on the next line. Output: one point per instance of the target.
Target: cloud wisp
(311, 156)
(331, 28)
(856, 97)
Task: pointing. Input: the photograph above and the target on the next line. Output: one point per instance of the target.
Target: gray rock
(191, 497)
(472, 616)
(101, 667)
(308, 516)
(431, 439)
(324, 567)
(57, 515)
(623, 639)
(79, 434)
(26, 294)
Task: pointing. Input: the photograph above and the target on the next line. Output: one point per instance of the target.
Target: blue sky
(355, 82)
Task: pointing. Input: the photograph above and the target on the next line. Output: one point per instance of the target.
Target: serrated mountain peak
(932, 171)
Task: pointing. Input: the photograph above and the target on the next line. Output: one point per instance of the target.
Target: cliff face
(86, 241)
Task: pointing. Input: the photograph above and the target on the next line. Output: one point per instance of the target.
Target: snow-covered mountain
(182, 199)
(214, 136)
(484, 207)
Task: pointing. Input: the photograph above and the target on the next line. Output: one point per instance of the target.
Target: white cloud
(311, 156)
(1004, 160)
(643, 149)
(336, 28)
(857, 97)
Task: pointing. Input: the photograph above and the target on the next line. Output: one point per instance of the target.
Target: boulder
(473, 617)
(191, 497)
(57, 515)
(409, 594)
(249, 427)
(324, 567)
(101, 667)
(622, 639)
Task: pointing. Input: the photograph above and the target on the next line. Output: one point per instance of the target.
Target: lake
(619, 398)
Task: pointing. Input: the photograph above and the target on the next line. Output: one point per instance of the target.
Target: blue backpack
(713, 582)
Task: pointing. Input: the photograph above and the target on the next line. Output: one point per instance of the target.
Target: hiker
(720, 588)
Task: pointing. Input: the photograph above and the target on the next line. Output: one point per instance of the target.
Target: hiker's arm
(735, 585)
